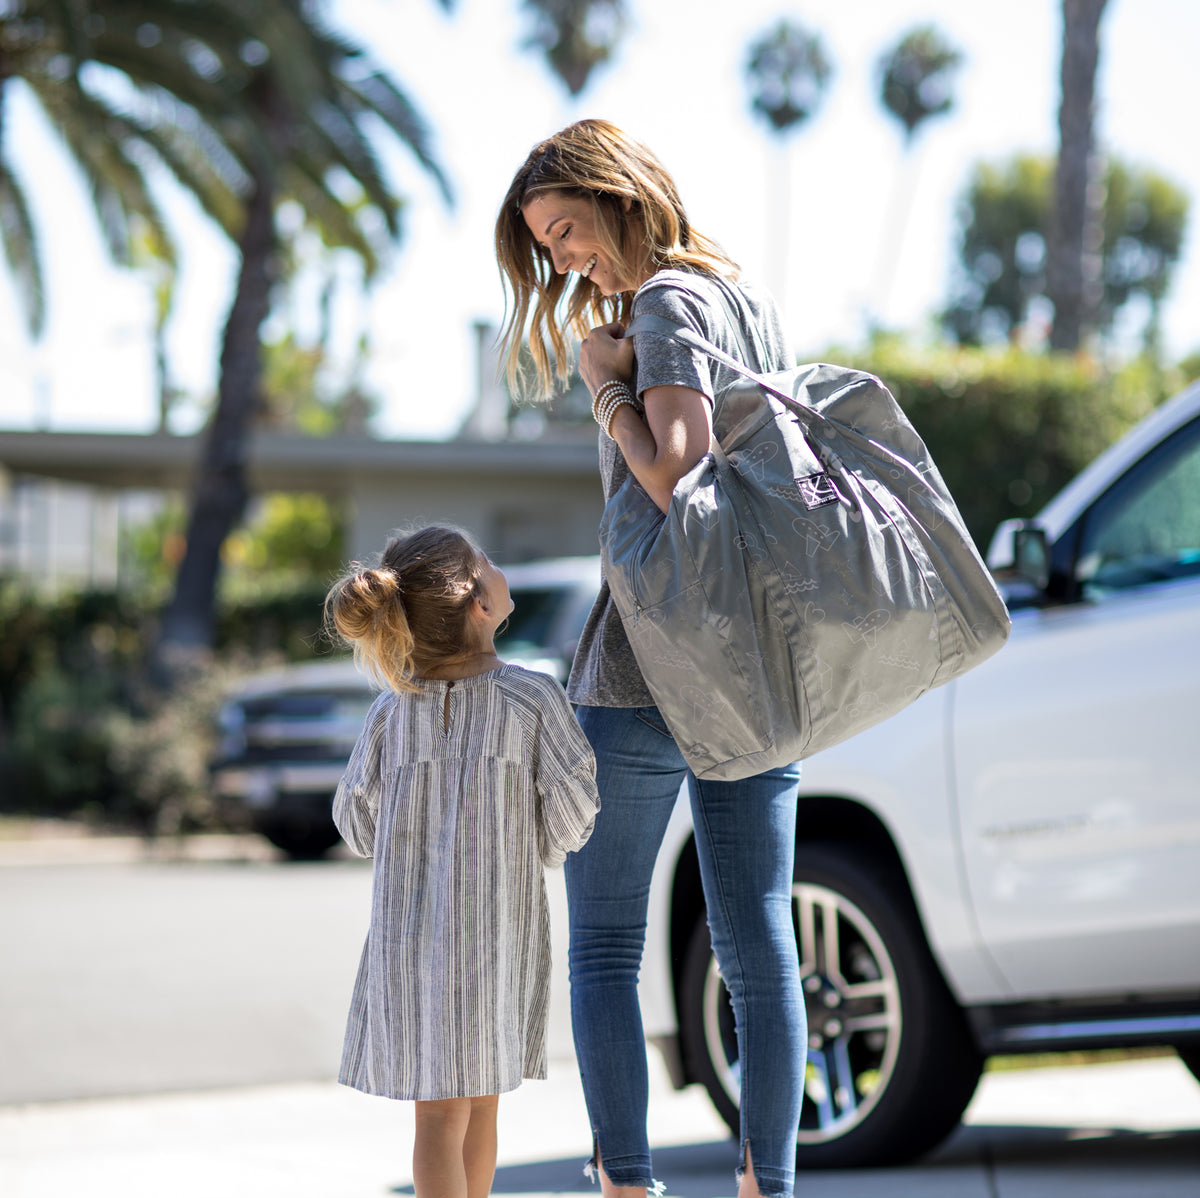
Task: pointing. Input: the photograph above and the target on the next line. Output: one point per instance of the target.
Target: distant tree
(916, 79)
(576, 36)
(788, 73)
(300, 396)
(1002, 252)
(1006, 218)
(1189, 367)
(287, 540)
(1072, 265)
(1144, 221)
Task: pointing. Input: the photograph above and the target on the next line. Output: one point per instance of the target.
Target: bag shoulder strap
(836, 377)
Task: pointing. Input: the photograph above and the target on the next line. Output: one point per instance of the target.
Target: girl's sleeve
(565, 778)
(356, 803)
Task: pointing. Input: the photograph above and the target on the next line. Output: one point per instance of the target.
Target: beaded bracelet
(603, 392)
(609, 398)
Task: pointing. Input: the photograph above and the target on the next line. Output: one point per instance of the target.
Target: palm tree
(248, 103)
(788, 73)
(1073, 282)
(916, 78)
(915, 82)
(313, 97)
(576, 36)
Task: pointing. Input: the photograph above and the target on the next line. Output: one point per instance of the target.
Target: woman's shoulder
(673, 292)
(704, 301)
(719, 309)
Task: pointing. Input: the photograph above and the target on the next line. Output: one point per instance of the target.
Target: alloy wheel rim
(852, 998)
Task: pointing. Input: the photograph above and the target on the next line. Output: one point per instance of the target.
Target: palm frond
(99, 140)
(377, 94)
(329, 137)
(190, 151)
(19, 237)
(333, 219)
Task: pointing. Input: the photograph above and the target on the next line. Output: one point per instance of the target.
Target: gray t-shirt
(605, 672)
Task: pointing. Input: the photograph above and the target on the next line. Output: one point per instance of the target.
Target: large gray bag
(812, 577)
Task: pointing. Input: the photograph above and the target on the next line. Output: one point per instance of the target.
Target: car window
(1146, 529)
(533, 615)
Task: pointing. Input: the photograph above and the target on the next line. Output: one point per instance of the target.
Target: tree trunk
(1073, 250)
(220, 490)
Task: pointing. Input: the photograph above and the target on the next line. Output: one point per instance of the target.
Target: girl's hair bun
(375, 585)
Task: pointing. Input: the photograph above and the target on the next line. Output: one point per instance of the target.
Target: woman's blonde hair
(408, 615)
(640, 222)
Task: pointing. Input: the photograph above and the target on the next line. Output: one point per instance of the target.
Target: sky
(678, 84)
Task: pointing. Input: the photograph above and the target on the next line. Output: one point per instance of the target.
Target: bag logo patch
(817, 490)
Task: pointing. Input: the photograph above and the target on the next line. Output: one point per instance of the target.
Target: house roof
(281, 461)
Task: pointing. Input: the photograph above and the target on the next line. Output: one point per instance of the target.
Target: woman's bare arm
(676, 431)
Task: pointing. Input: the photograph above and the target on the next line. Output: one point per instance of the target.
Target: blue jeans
(745, 836)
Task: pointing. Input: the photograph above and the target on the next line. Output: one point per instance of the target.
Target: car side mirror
(1031, 555)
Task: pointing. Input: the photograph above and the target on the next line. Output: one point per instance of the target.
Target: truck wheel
(1189, 1054)
(299, 837)
(891, 1060)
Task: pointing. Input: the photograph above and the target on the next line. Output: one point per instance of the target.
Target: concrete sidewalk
(1127, 1130)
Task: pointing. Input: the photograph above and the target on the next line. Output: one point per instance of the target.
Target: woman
(593, 203)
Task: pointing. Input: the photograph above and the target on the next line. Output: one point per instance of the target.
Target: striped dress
(462, 792)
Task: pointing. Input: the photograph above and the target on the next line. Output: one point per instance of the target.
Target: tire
(299, 837)
(892, 1063)
(1189, 1054)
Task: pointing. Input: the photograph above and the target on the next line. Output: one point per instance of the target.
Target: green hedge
(1008, 429)
(82, 733)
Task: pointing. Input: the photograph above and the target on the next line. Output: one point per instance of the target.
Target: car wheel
(1190, 1056)
(891, 1062)
(302, 839)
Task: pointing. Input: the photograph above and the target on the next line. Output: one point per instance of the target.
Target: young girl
(469, 777)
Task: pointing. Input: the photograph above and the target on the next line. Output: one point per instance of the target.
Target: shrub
(82, 733)
(1007, 428)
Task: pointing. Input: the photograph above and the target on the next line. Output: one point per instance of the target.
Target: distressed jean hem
(627, 1171)
(772, 1183)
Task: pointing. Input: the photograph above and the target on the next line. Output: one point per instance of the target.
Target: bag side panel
(712, 693)
(868, 432)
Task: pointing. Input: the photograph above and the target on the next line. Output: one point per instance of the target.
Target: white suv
(1011, 864)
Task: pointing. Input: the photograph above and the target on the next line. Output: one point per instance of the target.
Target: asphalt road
(129, 979)
(172, 1027)
(127, 976)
